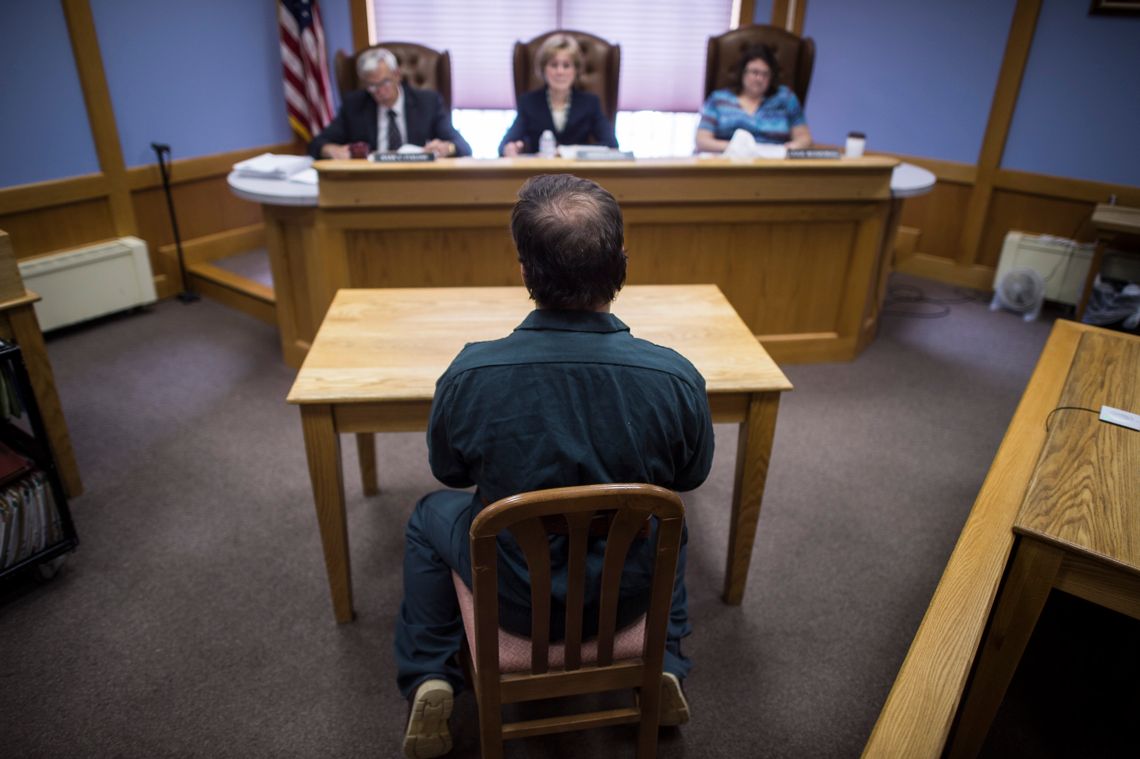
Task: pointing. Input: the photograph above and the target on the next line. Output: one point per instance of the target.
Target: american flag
(308, 95)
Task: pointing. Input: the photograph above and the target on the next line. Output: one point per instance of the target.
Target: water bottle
(546, 144)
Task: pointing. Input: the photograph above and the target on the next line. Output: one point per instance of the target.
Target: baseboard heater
(83, 283)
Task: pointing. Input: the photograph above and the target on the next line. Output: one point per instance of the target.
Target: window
(663, 42)
(663, 46)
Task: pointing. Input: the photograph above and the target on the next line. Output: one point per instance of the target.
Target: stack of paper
(743, 146)
(272, 166)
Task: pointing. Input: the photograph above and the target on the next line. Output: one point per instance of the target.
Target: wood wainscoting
(931, 226)
(67, 213)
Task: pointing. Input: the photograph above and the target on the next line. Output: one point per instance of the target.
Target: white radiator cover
(1062, 263)
(80, 284)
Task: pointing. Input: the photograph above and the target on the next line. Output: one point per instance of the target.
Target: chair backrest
(622, 511)
(601, 64)
(422, 67)
(795, 55)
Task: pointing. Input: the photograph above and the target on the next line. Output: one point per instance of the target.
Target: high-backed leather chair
(510, 669)
(421, 67)
(601, 64)
(795, 55)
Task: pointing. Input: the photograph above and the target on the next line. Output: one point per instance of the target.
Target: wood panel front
(51, 228)
(796, 247)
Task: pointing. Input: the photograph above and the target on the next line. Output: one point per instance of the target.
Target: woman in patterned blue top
(757, 104)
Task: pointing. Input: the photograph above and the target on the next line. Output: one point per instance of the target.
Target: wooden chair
(795, 55)
(422, 67)
(629, 658)
(601, 64)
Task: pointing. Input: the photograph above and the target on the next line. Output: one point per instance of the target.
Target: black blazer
(584, 124)
(356, 121)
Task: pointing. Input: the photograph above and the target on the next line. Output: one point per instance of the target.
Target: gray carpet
(195, 620)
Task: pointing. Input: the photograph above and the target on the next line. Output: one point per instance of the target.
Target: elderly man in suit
(387, 113)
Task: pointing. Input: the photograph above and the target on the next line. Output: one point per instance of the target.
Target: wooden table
(1078, 529)
(799, 248)
(374, 363)
(1046, 492)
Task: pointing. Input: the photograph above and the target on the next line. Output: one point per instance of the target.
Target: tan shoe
(427, 734)
(674, 705)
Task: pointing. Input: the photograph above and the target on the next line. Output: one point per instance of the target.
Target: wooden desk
(1113, 224)
(918, 714)
(799, 248)
(1078, 529)
(374, 363)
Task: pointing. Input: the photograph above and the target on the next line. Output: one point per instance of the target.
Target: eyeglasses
(762, 73)
(382, 84)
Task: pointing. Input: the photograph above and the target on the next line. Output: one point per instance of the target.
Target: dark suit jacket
(356, 122)
(584, 124)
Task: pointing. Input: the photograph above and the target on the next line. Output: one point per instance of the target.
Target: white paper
(305, 176)
(273, 166)
(743, 146)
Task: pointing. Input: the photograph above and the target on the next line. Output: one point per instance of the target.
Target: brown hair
(570, 239)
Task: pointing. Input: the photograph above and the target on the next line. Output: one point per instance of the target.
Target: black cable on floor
(912, 295)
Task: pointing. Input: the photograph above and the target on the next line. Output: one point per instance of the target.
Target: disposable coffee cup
(856, 141)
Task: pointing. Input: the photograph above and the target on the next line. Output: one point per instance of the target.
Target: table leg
(322, 447)
(366, 453)
(1022, 597)
(753, 451)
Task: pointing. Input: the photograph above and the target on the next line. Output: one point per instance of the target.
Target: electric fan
(1021, 290)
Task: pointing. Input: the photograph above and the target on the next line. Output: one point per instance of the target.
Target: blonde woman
(575, 117)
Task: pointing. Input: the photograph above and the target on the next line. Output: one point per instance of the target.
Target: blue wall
(762, 12)
(1078, 113)
(917, 77)
(338, 35)
(204, 77)
(43, 128)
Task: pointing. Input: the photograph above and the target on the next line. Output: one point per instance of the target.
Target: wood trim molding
(944, 270)
(218, 245)
(743, 13)
(54, 192)
(800, 10)
(945, 171)
(200, 167)
(362, 24)
(1017, 46)
(1064, 187)
(779, 13)
(789, 14)
(100, 114)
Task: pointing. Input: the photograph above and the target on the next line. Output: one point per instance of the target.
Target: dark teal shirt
(569, 398)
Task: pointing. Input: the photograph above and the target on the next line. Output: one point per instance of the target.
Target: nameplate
(381, 156)
(813, 153)
(604, 155)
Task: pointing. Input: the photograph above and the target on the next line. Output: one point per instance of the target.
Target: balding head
(570, 241)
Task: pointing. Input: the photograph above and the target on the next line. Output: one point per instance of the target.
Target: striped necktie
(395, 139)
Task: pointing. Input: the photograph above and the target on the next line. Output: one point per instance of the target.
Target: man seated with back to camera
(569, 398)
(387, 113)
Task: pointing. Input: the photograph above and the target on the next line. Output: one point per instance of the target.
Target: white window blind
(663, 46)
(663, 42)
(480, 34)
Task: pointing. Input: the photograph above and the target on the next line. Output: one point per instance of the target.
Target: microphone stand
(163, 153)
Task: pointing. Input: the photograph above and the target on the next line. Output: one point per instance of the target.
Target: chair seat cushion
(514, 650)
